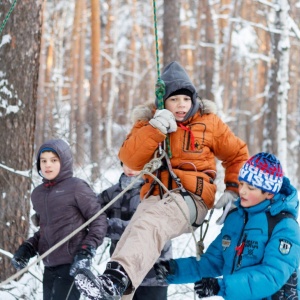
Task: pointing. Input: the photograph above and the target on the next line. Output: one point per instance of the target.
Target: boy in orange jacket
(197, 136)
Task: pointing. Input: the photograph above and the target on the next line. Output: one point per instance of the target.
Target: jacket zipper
(46, 233)
(240, 248)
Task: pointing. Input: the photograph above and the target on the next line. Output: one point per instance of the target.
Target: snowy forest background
(75, 70)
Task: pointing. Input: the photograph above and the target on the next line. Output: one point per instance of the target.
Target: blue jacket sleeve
(189, 270)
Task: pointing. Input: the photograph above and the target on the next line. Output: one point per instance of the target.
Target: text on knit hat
(263, 171)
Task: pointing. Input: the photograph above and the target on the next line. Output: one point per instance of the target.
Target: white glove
(226, 202)
(164, 121)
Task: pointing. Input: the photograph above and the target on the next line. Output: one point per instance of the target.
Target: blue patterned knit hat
(263, 171)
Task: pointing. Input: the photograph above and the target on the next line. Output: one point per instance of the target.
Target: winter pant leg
(151, 293)
(153, 225)
(48, 282)
(143, 206)
(62, 284)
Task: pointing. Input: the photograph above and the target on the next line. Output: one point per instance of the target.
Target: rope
(70, 235)
(160, 85)
(203, 232)
(150, 167)
(156, 39)
(7, 16)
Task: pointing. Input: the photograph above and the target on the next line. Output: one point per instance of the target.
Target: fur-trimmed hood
(145, 112)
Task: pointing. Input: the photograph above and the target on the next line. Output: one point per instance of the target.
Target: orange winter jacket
(194, 147)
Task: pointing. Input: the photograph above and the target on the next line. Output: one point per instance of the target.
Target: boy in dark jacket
(119, 215)
(257, 252)
(62, 204)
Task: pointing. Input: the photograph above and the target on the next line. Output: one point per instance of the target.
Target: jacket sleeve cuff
(222, 287)
(232, 186)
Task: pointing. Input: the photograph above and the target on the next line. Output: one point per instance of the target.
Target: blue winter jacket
(253, 265)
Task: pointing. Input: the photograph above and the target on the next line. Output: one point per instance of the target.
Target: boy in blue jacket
(257, 252)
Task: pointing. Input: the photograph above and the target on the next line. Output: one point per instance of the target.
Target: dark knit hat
(182, 92)
(176, 79)
(263, 171)
(48, 149)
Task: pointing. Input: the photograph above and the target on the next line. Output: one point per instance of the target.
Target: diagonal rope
(149, 168)
(80, 228)
(7, 16)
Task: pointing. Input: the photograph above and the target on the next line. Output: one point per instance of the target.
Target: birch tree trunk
(283, 79)
(277, 97)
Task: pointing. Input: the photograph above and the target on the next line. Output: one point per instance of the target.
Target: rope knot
(153, 165)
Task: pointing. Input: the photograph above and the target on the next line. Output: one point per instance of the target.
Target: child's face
(179, 105)
(50, 165)
(128, 172)
(251, 195)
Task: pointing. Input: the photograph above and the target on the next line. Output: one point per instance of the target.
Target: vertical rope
(156, 39)
(160, 85)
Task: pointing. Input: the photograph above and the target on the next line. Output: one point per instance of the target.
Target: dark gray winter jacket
(119, 215)
(62, 205)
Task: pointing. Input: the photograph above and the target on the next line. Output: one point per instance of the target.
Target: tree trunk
(73, 70)
(271, 120)
(284, 85)
(171, 37)
(19, 63)
(95, 89)
(81, 107)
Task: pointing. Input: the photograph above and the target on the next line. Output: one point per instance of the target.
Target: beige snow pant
(154, 223)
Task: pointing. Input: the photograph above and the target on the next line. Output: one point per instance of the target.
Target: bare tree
(80, 97)
(95, 88)
(19, 63)
(171, 37)
(73, 69)
(278, 80)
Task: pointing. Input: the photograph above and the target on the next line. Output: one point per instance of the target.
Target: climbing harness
(7, 16)
(192, 208)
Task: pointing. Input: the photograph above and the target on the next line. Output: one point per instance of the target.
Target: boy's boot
(109, 286)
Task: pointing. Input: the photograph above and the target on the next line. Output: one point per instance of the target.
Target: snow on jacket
(265, 264)
(120, 213)
(195, 167)
(62, 205)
